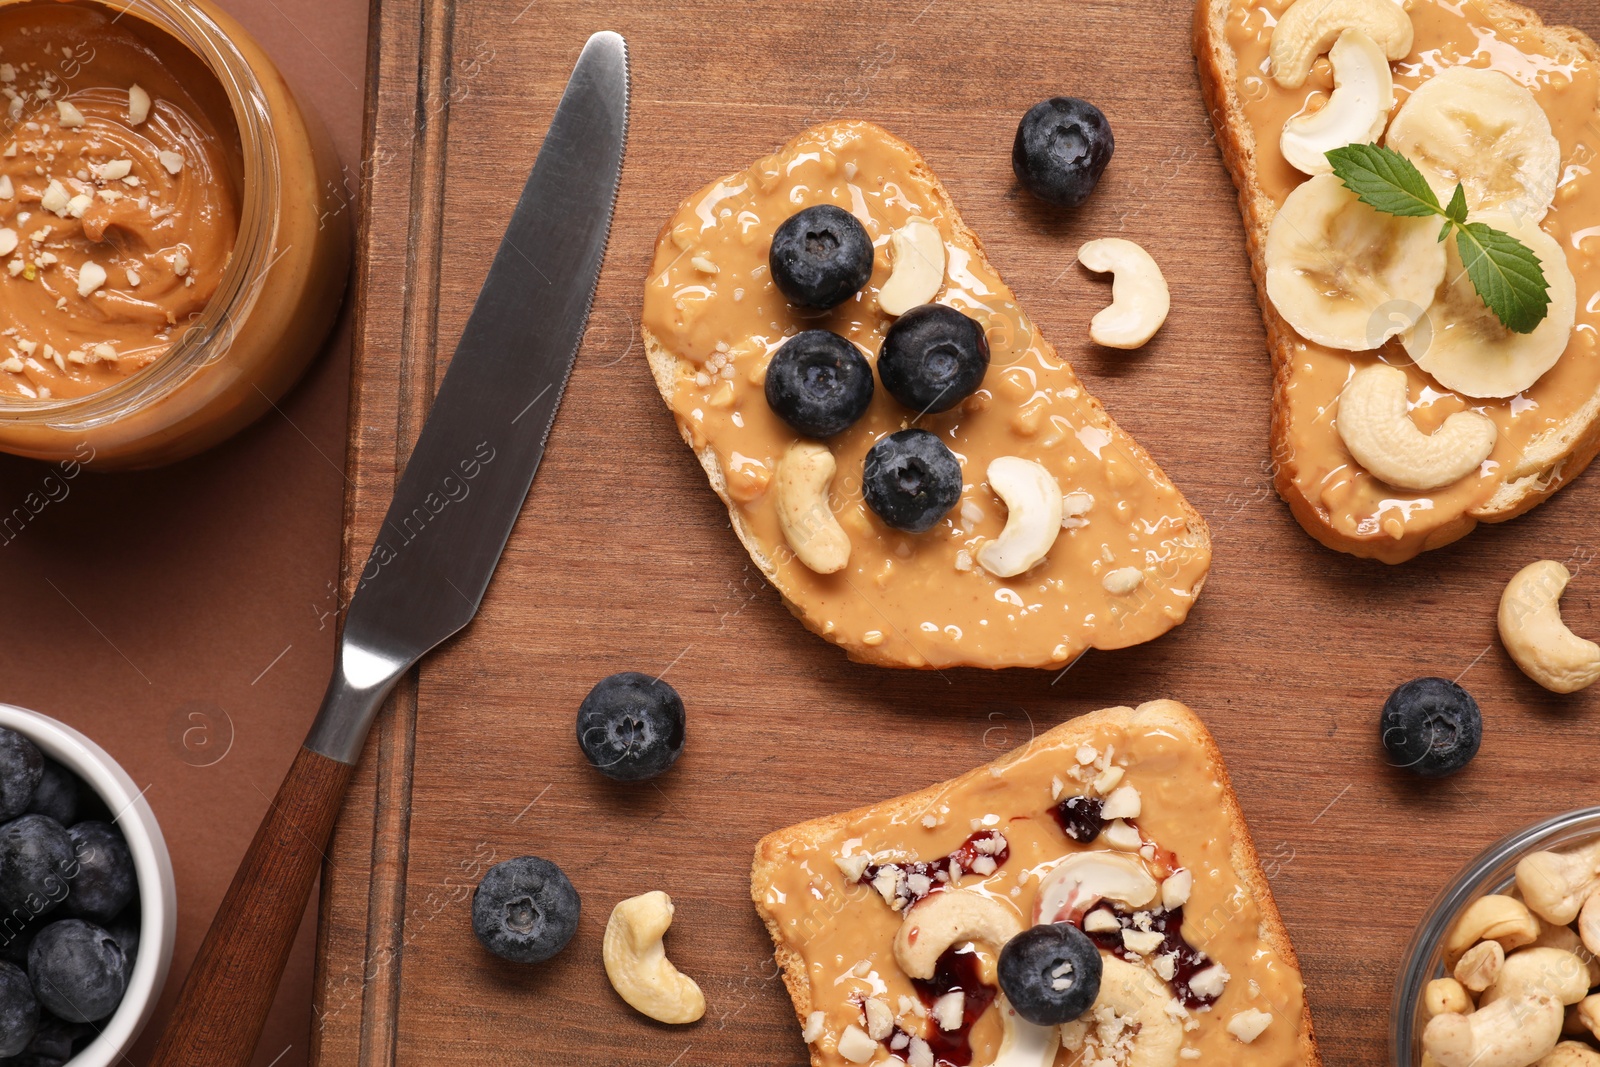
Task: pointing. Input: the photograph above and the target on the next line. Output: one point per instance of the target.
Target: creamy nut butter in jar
(171, 250)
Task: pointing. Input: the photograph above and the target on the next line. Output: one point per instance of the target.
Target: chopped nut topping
(55, 198)
(138, 104)
(110, 172)
(91, 276)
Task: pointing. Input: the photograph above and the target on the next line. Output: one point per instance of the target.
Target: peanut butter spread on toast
(828, 902)
(1316, 471)
(911, 600)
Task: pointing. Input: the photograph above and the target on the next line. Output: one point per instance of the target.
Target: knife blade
(432, 559)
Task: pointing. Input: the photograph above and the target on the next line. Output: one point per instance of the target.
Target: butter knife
(438, 546)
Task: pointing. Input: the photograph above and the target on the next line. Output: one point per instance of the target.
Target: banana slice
(1463, 344)
(1347, 276)
(1480, 128)
(1356, 112)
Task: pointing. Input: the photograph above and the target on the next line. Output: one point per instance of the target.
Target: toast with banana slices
(1022, 525)
(888, 920)
(1411, 401)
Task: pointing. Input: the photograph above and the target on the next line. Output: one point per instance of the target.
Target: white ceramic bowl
(158, 897)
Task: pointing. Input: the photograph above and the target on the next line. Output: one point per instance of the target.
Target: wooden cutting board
(623, 558)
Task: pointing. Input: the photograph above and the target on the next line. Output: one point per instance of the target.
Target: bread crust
(1552, 460)
(663, 368)
(1168, 714)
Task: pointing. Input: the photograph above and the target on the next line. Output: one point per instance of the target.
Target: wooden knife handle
(230, 987)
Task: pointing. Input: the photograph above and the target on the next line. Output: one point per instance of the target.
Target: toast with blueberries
(1093, 894)
(905, 457)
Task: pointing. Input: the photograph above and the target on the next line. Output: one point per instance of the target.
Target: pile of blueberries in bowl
(69, 908)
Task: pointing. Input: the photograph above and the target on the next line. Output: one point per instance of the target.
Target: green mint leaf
(1384, 179)
(1506, 274)
(1457, 211)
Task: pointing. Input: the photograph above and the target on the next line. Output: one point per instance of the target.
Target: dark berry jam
(954, 970)
(1080, 817)
(1188, 961)
(918, 878)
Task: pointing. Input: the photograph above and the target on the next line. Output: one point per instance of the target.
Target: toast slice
(1338, 503)
(834, 900)
(1132, 555)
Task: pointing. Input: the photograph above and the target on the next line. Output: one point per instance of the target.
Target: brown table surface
(140, 601)
(623, 559)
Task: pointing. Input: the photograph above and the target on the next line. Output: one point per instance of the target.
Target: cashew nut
(1550, 972)
(1378, 431)
(1480, 965)
(946, 918)
(1024, 1044)
(1589, 925)
(949, 917)
(1513, 1032)
(1444, 995)
(1567, 939)
(1033, 516)
(1309, 27)
(637, 964)
(1532, 630)
(1083, 879)
(1571, 1054)
(1356, 112)
(1139, 297)
(1587, 1012)
(804, 476)
(1494, 917)
(1556, 884)
(916, 267)
(1132, 1001)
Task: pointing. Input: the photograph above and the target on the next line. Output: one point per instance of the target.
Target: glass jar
(279, 293)
(1493, 871)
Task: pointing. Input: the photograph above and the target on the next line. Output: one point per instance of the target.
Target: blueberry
(1050, 973)
(54, 1042)
(125, 928)
(105, 880)
(19, 1010)
(1063, 145)
(56, 795)
(525, 910)
(17, 931)
(21, 764)
(933, 357)
(819, 383)
(79, 971)
(1431, 727)
(911, 480)
(631, 726)
(821, 257)
(36, 864)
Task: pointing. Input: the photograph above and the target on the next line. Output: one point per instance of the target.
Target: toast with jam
(889, 921)
(904, 456)
(1408, 406)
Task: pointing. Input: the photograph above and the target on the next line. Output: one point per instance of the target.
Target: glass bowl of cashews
(1502, 971)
